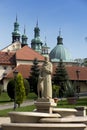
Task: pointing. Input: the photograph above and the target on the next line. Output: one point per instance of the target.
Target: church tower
(45, 49)
(24, 39)
(15, 33)
(36, 43)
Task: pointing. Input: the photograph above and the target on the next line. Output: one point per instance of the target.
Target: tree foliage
(35, 70)
(84, 62)
(70, 90)
(60, 77)
(27, 87)
(20, 89)
(10, 88)
(55, 89)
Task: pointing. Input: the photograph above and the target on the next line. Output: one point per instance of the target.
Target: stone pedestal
(45, 105)
(81, 111)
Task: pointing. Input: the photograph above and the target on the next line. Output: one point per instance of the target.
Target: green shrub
(55, 89)
(70, 91)
(20, 89)
(10, 88)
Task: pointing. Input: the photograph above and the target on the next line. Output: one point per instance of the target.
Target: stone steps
(40, 126)
(79, 119)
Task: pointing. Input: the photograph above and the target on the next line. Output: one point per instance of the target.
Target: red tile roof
(71, 70)
(26, 53)
(7, 58)
(23, 69)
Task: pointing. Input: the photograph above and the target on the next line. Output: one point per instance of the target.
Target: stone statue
(44, 81)
(40, 87)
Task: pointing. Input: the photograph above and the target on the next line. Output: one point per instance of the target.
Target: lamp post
(15, 75)
(78, 87)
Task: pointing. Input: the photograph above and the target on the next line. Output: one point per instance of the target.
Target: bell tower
(15, 33)
(24, 38)
(36, 43)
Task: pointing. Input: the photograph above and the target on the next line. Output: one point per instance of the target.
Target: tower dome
(60, 52)
(36, 43)
(24, 39)
(15, 33)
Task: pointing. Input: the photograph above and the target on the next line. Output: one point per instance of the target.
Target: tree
(35, 70)
(27, 87)
(60, 77)
(20, 89)
(84, 62)
(55, 89)
(11, 86)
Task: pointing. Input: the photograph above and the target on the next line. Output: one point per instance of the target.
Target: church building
(19, 56)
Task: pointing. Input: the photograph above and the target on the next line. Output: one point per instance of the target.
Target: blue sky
(69, 15)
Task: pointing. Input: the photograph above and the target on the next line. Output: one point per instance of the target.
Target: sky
(68, 15)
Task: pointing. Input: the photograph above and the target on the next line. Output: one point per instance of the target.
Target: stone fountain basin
(30, 117)
(76, 119)
(65, 112)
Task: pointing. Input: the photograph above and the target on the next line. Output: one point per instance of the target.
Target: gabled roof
(23, 69)
(26, 53)
(7, 58)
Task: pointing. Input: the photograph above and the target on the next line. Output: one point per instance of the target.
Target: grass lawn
(4, 113)
(79, 102)
(61, 104)
(4, 98)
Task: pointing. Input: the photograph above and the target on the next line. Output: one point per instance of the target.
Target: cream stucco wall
(26, 62)
(5, 82)
(83, 86)
(4, 69)
(12, 47)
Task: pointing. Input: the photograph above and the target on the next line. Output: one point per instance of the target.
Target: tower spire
(24, 29)
(37, 23)
(15, 33)
(60, 32)
(24, 38)
(16, 18)
(36, 43)
(45, 40)
(36, 30)
(59, 38)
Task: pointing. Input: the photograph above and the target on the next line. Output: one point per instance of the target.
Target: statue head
(46, 59)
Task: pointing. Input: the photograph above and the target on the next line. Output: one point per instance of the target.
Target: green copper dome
(24, 38)
(36, 43)
(60, 52)
(36, 35)
(15, 33)
(36, 40)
